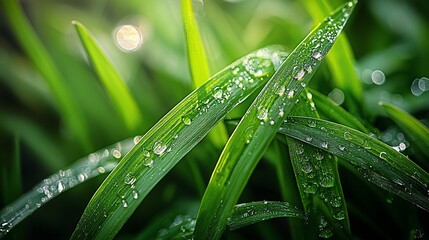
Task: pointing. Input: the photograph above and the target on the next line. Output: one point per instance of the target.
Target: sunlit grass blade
(197, 61)
(329, 110)
(318, 182)
(163, 146)
(341, 59)
(39, 56)
(115, 86)
(377, 162)
(246, 214)
(417, 132)
(260, 123)
(97, 163)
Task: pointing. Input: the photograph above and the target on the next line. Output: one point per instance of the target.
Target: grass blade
(376, 161)
(39, 56)
(246, 214)
(162, 147)
(84, 169)
(260, 123)
(417, 132)
(341, 60)
(115, 86)
(198, 62)
(318, 182)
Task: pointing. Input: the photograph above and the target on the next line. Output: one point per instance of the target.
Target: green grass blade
(260, 123)
(163, 146)
(246, 214)
(11, 184)
(417, 132)
(318, 182)
(336, 113)
(341, 59)
(84, 169)
(39, 56)
(376, 161)
(115, 86)
(197, 60)
(196, 55)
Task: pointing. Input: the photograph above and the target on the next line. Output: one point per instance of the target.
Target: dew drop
(317, 55)
(324, 144)
(310, 188)
(186, 120)
(159, 148)
(137, 139)
(281, 90)
(281, 112)
(248, 134)
(217, 93)
(124, 203)
(326, 233)
(341, 147)
(312, 123)
(135, 194)
(130, 179)
(327, 181)
(272, 122)
(290, 94)
(367, 145)
(148, 162)
(308, 139)
(339, 215)
(318, 155)
(336, 202)
(300, 75)
(347, 136)
(262, 113)
(382, 155)
(306, 168)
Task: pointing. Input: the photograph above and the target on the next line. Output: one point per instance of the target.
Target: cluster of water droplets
(182, 227)
(95, 164)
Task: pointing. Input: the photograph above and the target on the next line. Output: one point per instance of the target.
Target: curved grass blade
(39, 56)
(246, 214)
(376, 161)
(260, 123)
(163, 146)
(318, 182)
(417, 132)
(115, 86)
(198, 62)
(341, 59)
(84, 169)
(336, 113)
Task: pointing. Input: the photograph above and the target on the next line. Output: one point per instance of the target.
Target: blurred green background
(390, 40)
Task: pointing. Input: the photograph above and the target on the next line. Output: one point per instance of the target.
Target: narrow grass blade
(163, 146)
(318, 182)
(260, 123)
(84, 169)
(376, 161)
(246, 214)
(329, 110)
(35, 50)
(196, 55)
(197, 61)
(115, 86)
(417, 132)
(341, 59)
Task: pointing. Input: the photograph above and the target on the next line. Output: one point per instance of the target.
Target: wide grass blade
(246, 214)
(115, 86)
(376, 161)
(417, 132)
(197, 61)
(318, 181)
(163, 146)
(260, 123)
(39, 56)
(97, 163)
(340, 59)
